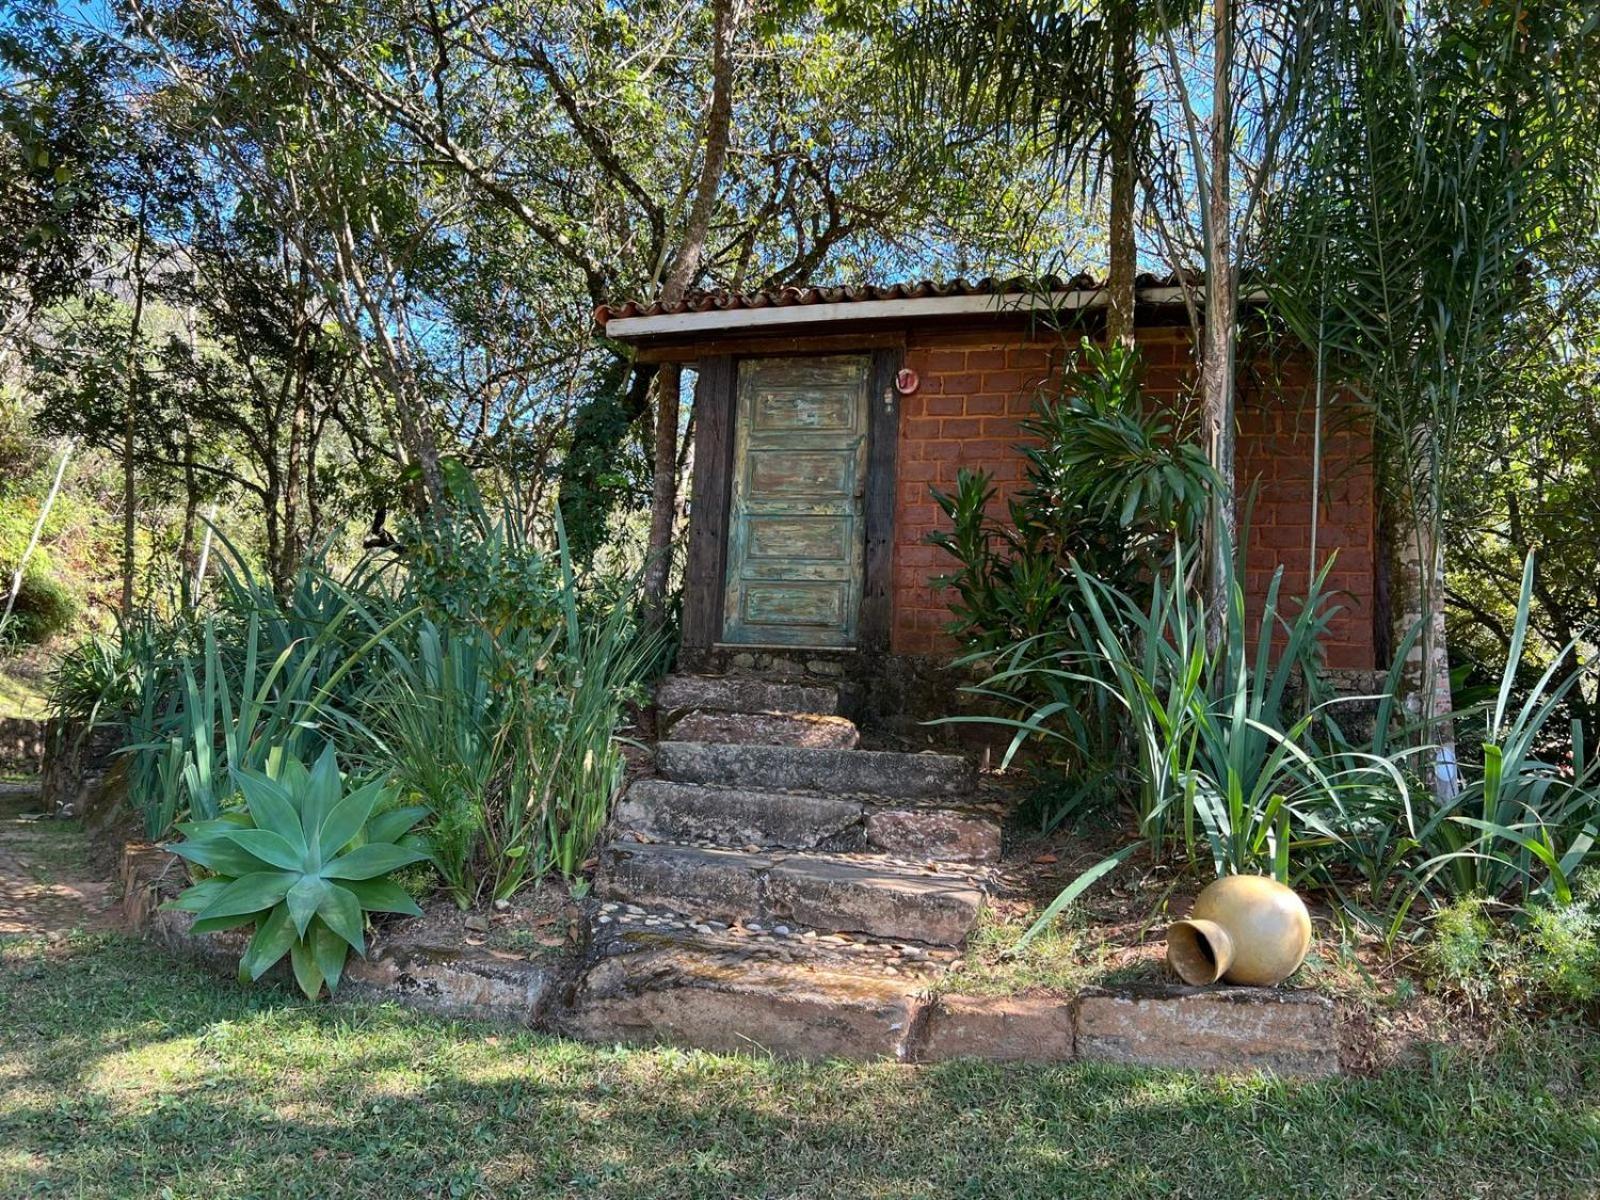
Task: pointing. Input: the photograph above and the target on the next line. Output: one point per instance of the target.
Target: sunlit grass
(122, 1073)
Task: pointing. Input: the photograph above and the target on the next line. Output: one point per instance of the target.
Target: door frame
(711, 496)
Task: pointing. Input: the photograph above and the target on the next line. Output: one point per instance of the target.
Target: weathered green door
(795, 529)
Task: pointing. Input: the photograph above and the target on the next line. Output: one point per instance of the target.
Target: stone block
(767, 729)
(942, 834)
(864, 897)
(149, 876)
(1209, 1029)
(453, 981)
(744, 694)
(728, 1003)
(782, 768)
(737, 817)
(998, 1029)
(714, 883)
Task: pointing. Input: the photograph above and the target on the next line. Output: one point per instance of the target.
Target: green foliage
(1463, 954)
(1546, 957)
(258, 675)
(1109, 486)
(519, 767)
(1235, 761)
(604, 468)
(45, 607)
(1564, 942)
(1109, 489)
(1521, 826)
(1212, 725)
(481, 675)
(101, 678)
(302, 861)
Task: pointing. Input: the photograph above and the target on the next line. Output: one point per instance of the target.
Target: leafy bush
(44, 607)
(1109, 486)
(1109, 490)
(479, 674)
(1514, 834)
(1546, 956)
(1236, 761)
(1213, 729)
(1565, 964)
(303, 862)
(1464, 954)
(505, 729)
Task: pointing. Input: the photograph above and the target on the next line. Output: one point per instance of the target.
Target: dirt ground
(47, 886)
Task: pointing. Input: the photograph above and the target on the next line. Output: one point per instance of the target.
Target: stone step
(824, 892)
(654, 986)
(812, 730)
(690, 812)
(885, 773)
(664, 811)
(744, 694)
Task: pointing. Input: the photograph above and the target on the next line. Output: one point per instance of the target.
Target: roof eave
(783, 316)
(729, 320)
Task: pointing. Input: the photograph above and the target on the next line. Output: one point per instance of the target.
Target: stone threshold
(1288, 1033)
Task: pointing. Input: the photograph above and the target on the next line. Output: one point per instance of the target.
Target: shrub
(44, 607)
(1546, 956)
(1109, 488)
(1213, 724)
(480, 675)
(303, 861)
(1464, 953)
(505, 729)
(1565, 958)
(1514, 834)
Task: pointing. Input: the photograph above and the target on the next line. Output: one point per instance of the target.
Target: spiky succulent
(303, 862)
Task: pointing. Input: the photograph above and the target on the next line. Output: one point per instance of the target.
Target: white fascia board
(721, 320)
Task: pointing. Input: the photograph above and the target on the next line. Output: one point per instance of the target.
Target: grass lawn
(22, 693)
(124, 1074)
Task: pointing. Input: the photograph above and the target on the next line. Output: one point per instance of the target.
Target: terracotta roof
(722, 300)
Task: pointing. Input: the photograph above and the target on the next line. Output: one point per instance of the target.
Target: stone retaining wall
(1290, 1033)
(21, 744)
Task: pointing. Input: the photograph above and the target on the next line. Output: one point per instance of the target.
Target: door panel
(795, 530)
(774, 472)
(784, 538)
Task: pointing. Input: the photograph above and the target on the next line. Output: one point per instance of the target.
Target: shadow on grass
(122, 1073)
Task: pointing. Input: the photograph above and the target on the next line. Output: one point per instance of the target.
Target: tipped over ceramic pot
(1244, 929)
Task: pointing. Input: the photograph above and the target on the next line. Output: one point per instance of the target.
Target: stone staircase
(777, 887)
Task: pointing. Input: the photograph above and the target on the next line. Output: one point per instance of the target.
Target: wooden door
(795, 529)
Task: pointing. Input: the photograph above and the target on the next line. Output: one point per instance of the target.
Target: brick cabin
(814, 456)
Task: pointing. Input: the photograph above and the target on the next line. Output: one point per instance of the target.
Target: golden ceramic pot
(1245, 929)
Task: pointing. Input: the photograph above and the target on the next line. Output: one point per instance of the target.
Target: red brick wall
(976, 387)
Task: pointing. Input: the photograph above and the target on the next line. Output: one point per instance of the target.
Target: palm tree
(1063, 70)
(1443, 177)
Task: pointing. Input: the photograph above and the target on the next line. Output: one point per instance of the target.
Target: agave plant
(303, 861)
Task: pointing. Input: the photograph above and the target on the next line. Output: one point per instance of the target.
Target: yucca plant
(303, 862)
(1521, 826)
(1216, 731)
(212, 694)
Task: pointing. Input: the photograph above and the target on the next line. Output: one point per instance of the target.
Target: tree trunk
(1426, 677)
(130, 510)
(1123, 264)
(685, 265)
(191, 506)
(1216, 372)
(187, 559)
(664, 492)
